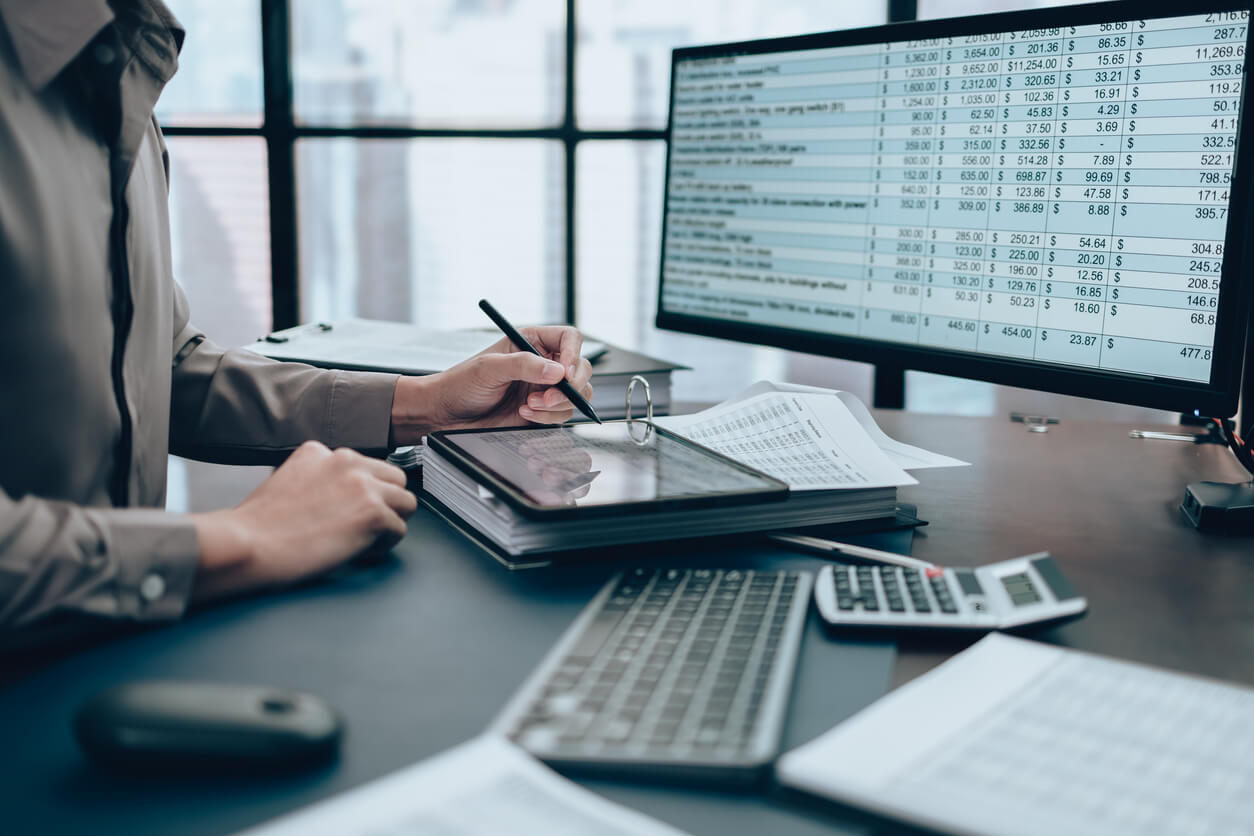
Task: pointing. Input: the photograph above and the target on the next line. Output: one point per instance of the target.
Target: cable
(1240, 448)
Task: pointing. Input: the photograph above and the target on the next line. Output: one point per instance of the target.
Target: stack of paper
(824, 444)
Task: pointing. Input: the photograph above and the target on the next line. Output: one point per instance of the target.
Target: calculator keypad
(892, 588)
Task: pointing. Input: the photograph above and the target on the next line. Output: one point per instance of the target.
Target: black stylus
(519, 340)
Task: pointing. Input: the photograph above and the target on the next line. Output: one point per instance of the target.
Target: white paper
(388, 345)
(379, 344)
(905, 456)
(811, 442)
(484, 787)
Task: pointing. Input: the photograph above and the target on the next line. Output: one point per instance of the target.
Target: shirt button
(104, 53)
(152, 587)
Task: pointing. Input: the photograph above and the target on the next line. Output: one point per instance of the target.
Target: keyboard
(677, 673)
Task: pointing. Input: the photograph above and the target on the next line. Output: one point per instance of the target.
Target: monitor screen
(1053, 199)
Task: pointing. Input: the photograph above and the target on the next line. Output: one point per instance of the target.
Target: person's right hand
(317, 510)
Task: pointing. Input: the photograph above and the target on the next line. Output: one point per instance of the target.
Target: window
(434, 153)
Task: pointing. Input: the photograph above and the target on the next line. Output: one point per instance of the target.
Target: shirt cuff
(359, 414)
(155, 554)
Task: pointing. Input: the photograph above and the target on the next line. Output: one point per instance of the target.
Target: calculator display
(1020, 589)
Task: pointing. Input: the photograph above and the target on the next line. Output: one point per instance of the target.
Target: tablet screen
(591, 465)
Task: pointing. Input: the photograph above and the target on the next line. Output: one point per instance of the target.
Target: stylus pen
(833, 549)
(519, 340)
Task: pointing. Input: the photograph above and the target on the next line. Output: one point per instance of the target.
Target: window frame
(280, 131)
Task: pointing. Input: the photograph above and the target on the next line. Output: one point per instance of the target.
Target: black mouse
(205, 726)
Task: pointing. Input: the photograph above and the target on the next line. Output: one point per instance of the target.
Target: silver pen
(1161, 436)
(831, 548)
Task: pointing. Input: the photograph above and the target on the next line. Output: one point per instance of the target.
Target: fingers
(520, 365)
(399, 500)
(379, 469)
(383, 471)
(561, 341)
(552, 400)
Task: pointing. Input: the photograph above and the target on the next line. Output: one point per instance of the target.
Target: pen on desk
(521, 342)
(831, 548)
(1154, 435)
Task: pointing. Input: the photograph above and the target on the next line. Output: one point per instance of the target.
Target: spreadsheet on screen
(1059, 195)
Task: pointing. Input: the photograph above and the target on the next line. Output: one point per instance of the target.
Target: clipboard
(613, 469)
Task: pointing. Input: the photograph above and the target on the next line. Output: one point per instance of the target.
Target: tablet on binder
(619, 468)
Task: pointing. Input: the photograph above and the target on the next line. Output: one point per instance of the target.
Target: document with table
(1017, 738)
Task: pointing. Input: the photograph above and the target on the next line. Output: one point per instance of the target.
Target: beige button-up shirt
(101, 373)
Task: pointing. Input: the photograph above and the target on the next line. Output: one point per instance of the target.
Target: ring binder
(648, 411)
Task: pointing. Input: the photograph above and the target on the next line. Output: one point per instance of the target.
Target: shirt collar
(48, 35)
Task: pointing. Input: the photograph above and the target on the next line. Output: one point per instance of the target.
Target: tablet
(619, 467)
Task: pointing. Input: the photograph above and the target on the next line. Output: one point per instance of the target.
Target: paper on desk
(484, 787)
(905, 456)
(379, 344)
(811, 442)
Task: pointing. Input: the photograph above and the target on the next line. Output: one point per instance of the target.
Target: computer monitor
(1054, 199)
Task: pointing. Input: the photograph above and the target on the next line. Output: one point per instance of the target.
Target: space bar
(595, 634)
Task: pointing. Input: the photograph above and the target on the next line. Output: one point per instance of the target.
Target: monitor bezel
(1217, 397)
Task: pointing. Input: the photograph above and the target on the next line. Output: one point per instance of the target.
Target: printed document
(813, 439)
(485, 787)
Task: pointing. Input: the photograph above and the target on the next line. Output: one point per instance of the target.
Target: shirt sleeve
(136, 564)
(234, 406)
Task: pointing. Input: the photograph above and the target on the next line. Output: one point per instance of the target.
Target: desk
(421, 652)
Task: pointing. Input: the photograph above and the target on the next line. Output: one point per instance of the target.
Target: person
(103, 373)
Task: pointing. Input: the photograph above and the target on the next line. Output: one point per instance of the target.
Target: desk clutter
(822, 444)
(684, 676)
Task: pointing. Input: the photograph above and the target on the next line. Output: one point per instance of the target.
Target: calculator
(1027, 591)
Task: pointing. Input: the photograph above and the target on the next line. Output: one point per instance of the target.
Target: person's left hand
(500, 386)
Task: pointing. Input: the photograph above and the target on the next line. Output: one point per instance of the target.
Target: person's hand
(317, 510)
(501, 386)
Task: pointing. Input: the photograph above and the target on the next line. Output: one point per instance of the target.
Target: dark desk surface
(421, 652)
(1108, 507)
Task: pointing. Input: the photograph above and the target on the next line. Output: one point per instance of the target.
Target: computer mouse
(206, 726)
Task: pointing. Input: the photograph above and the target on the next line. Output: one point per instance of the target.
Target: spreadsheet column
(1178, 147)
(901, 178)
(768, 189)
(958, 243)
(1018, 213)
(1083, 192)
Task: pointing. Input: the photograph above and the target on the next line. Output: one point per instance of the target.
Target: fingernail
(570, 370)
(552, 367)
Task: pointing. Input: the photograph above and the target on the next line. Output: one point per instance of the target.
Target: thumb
(519, 365)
